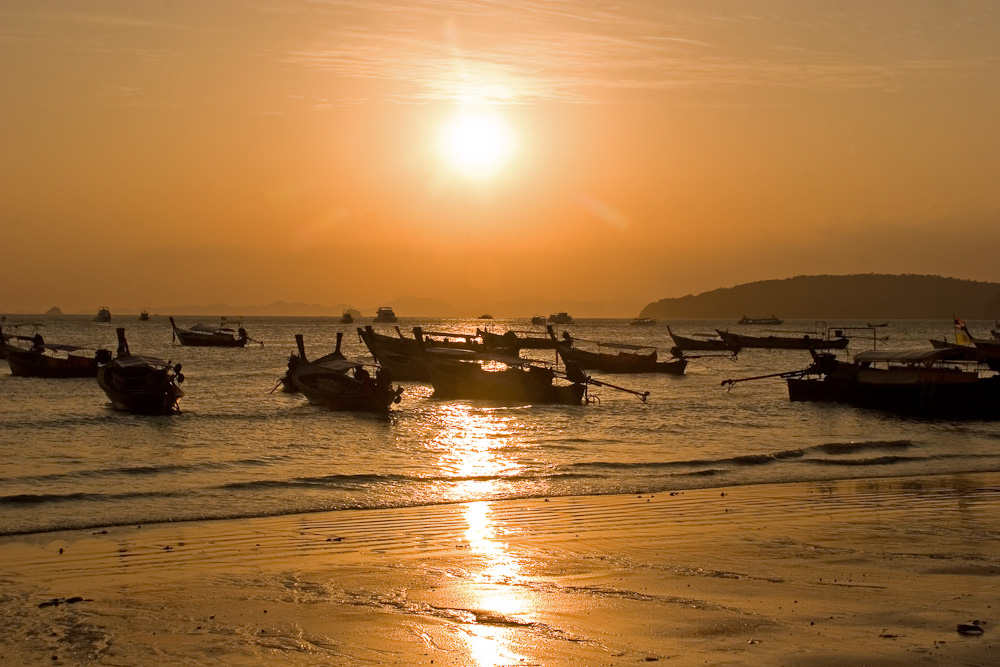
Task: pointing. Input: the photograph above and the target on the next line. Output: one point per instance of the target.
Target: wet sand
(872, 572)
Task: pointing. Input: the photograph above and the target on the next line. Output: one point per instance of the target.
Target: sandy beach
(865, 572)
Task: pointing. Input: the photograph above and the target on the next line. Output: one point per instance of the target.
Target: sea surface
(237, 449)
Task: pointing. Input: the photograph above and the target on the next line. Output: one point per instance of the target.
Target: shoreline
(870, 570)
(308, 512)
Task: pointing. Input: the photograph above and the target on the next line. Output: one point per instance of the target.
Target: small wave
(143, 471)
(43, 498)
(854, 447)
(877, 461)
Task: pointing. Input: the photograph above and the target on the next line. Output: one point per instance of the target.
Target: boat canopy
(924, 357)
(134, 361)
(338, 365)
(63, 348)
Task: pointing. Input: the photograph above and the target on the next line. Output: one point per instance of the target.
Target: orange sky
(246, 151)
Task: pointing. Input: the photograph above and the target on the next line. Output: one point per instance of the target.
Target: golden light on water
(475, 448)
(495, 590)
(472, 445)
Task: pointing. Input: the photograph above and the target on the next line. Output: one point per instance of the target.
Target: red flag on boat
(962, 335)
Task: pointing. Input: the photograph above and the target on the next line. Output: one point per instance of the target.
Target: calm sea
(68, 461)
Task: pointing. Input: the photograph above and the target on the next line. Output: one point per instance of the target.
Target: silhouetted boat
(144, 316)
(201, 335)
(685, 344)
(508, 381)
(340, 384)
(760, 320)
(514, 341)
(33, 357)
(385, 315)
(560, 318)
(937, 383)
(347, 318)
(643, 322)
(485, 316)
(965, 338)
(140, 384)
(103, 314)
(878, 325)
(618, 357)
(538, 319)
(804, 342)
(404, 357)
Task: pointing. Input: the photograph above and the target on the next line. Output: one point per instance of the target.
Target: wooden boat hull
(938, 400)
(622, 362)
(338, 391)
(30, 363)
(509, 341)
(192, 339)
(402, 357)
(140, 389)
(463, 380)
(697, 345)
(782, 342)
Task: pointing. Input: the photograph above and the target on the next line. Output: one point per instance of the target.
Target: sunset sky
(247, 151)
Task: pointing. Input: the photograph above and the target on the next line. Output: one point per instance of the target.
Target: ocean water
(67, 460)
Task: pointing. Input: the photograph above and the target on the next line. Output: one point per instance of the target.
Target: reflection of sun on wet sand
(875, 572)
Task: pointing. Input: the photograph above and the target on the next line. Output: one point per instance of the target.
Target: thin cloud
(566, 51)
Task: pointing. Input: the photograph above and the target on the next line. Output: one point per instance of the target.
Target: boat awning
(62, 348)
(338, 365)
(133, 361)
(925, 357)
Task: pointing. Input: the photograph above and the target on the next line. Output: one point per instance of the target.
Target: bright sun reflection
(496, 590)
(476, 142)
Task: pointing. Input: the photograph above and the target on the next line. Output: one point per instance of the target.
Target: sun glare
(476, 143)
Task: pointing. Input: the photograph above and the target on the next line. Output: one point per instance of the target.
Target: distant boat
(384, 315)
(144, 316)
(876, 326)
(538, 319)
(347, 318)
(760, 320)
(486, 316)
(144, 385)
(643, 322)
(340, 384)
(201, 335)
(560, 318)
(103, 314)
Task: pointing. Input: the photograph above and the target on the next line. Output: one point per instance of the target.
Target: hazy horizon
(325, 152)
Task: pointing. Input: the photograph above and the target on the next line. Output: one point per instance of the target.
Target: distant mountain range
(858, 296)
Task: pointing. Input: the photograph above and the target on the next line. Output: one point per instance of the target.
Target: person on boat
(361, 375)
(37, 342)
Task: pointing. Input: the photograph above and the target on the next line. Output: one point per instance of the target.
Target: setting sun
(476, 142)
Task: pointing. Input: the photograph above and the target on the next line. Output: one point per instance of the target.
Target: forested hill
(861, 296)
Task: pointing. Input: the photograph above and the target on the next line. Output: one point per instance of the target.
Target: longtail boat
(943, 383)
(618, 357)
(201, 335)
(685, 344)
(140, 384)
(804, 342)
(340, 384)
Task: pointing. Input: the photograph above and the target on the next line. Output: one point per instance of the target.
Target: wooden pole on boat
(786, 374)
